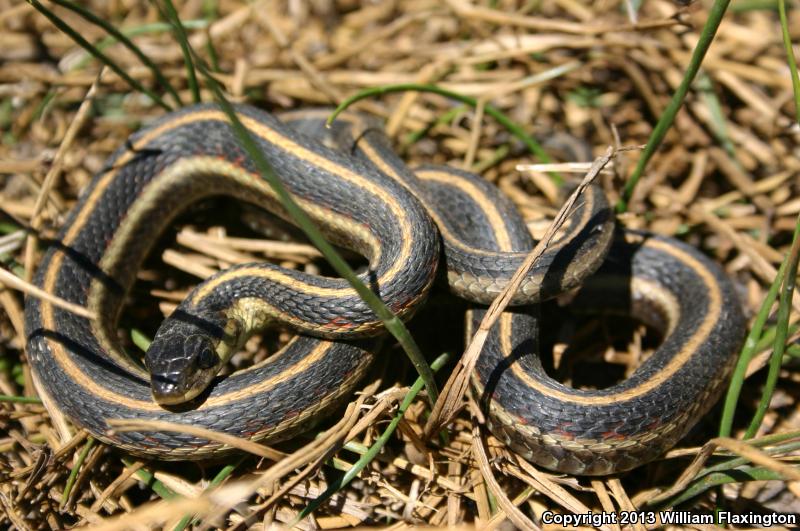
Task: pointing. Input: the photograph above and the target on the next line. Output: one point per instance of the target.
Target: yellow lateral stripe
(103, 393)
(451, 238)
(659, 378)
(496, 221)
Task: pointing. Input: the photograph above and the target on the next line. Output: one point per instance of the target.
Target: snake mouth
(166, 392)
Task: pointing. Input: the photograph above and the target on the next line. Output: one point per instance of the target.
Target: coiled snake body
(364, 198)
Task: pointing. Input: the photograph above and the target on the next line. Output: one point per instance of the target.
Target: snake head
(186, 354)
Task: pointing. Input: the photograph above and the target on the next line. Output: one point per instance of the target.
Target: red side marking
(561, 430)
(292, 414)
(613, 433)
(254, 428)
(653, 425)
(340, 322)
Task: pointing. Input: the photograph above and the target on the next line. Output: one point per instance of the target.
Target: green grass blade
(147, 477)
(73, 474)
(226, 471)
(787, 43)
(125, 41)
(144, 29)
(739, 475)
(444, 118)
(373, 451)
(501, 118)
(103, 58)
(782, 327)
(210, 12)
(171, 14)
(665, 121)
(719, 125)
(742, 6)
(732, 464)
(787, 274)
(748, 351)
(44, 105)
(183, 523)
(140, 339)
(8, 227)
(20, 399)
(768, 338)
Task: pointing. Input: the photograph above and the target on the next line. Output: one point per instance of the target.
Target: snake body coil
(181, 158)
(365, 199)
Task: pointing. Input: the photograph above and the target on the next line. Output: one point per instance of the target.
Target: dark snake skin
(583, 432)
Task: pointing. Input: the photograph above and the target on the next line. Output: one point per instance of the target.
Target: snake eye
(199, 348)
(207, 358)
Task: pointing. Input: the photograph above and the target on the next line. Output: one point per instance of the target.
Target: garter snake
(364, 198)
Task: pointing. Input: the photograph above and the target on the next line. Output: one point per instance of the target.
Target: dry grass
(726, 180)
